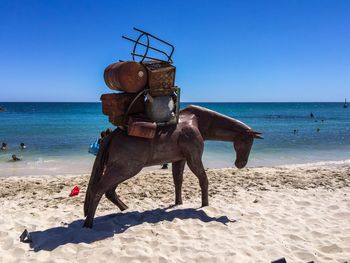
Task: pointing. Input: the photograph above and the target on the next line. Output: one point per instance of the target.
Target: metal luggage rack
(148, 47)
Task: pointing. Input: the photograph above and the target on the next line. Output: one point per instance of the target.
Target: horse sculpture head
(243, 143)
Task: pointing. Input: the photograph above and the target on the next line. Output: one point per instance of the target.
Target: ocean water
(58, 135)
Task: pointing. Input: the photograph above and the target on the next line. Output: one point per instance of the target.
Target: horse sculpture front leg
(196, 166)
(178, 171)
(192, 146)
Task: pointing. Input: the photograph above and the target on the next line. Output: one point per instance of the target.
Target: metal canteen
(160, 109)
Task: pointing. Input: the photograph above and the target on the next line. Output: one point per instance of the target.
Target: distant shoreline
(184, 102)
(72, 168)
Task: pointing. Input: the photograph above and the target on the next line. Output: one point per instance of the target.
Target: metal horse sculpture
(121, 156)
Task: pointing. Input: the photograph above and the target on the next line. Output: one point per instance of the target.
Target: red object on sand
(75, 191)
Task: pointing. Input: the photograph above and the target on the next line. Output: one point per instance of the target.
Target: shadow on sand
(109, 225)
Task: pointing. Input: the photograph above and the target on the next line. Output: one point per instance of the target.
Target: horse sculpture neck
(215, 126)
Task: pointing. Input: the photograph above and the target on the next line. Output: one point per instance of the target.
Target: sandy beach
(114, 86)
(300, 212)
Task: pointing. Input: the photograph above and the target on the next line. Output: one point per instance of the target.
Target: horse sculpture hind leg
(178, 171)
(112, 177)
(113, 197)
(95, 197)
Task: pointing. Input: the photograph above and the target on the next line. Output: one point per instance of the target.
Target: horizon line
(181, 102)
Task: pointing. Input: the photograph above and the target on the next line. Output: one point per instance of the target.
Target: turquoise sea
(58, 135)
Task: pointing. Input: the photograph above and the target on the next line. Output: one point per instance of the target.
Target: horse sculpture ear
(257, 135)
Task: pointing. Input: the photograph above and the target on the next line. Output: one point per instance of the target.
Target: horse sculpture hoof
(87, 224)
(178, 201)
(123, 207)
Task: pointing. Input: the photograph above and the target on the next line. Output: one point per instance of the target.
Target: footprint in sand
(18, 252)
(304, 255)
(302, 203)
(333, 207)
(342, 215)
(3, 234)
(6, 243)
(295, 237)
(317, 234)
(331, 249)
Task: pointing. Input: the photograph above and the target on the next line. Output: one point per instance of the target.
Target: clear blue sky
(225, 50)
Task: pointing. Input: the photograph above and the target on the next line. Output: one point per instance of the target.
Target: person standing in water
(3, 146)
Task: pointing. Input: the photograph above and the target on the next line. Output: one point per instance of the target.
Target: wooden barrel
(128, 76)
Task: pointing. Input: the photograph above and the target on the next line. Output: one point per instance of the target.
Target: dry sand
(301, 213)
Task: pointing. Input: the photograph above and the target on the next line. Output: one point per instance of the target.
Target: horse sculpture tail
(97, 170)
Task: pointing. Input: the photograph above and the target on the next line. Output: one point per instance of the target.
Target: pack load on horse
(148, 97)
(153, 131)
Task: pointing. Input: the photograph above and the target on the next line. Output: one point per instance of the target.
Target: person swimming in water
(312, 115)
(3, 146)
(15, 158)
(23, 146)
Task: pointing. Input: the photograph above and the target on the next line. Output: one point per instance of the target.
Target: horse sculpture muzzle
(243, 146)
(240, 164)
